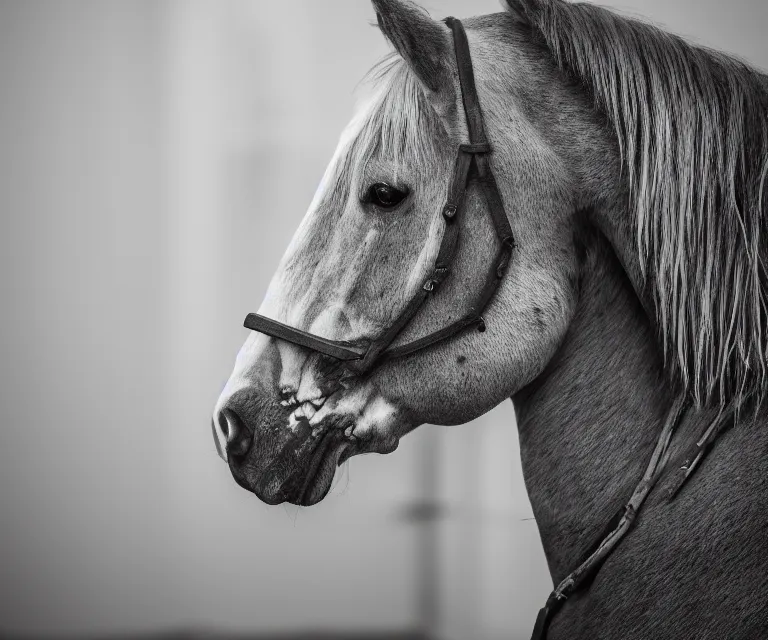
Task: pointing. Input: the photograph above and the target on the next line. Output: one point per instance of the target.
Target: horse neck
(588, 423)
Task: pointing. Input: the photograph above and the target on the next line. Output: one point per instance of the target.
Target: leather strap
(619, 526)
(472, 159)
(333, 348)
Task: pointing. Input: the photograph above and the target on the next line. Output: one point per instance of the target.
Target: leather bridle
(472, 165)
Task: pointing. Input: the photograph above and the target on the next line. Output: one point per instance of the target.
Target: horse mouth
(329, 453)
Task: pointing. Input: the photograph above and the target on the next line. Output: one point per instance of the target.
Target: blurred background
(155, 158)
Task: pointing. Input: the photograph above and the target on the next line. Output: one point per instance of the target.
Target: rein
(627, 515)
(472, 165)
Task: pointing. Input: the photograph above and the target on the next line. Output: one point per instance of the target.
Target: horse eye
(385, 195)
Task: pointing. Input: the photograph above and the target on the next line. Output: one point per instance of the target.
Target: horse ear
(424, 43)
(522, 10)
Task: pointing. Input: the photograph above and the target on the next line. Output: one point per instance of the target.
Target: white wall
(155, 158)
(86, 521)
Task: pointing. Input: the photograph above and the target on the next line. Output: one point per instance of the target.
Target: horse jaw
(357, 421)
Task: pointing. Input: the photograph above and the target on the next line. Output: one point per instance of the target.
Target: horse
(630, 323)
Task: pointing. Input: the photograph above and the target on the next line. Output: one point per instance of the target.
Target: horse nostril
(231, 435)
(238, 439)
(224, 425)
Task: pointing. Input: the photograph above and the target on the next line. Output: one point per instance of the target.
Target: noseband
(472, 164)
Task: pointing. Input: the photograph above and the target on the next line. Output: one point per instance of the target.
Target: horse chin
(322, 468)
(320, 475)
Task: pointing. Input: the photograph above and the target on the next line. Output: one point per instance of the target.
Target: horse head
(289, 416)
(582, 132)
